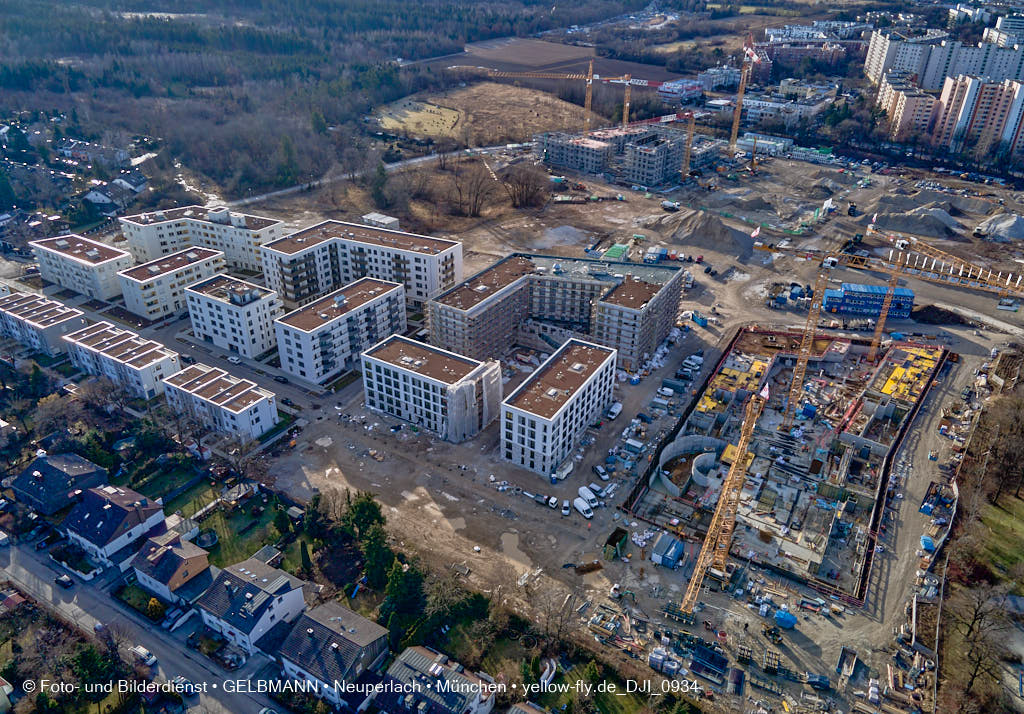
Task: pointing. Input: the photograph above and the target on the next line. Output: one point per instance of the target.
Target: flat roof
(223, 287)
(120, 345)
(214, 385)
(483, 285)
(332, 306)
(169, 263)
(563, 373)
(218, 215)
(37, 310)
(330, 230)
(632, 293)
(423, 359)
(81, 249)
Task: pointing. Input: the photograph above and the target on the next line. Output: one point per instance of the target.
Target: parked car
(565, 507)
(234, 360)
(287, 402)
(601, 472)
(64, 581)
(279, 378)
(584, 510)
(187, 359)
(596, 490)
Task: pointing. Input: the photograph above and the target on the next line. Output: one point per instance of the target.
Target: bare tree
(54, 411)
(525, 185)
(101, 393)
(472, 187)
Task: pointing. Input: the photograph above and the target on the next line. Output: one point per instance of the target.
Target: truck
(143, 655)
(670, 206)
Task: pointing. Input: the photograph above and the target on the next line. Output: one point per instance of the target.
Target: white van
(143, 655)
(584, 510)
(614, 410)
(4, 539)
(587, 495)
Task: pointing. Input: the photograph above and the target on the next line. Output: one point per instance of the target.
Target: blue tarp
(785, 619)
(927, 544)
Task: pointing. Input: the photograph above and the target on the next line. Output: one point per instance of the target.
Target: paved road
(88, 603)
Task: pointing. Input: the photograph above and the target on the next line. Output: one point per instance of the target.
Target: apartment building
(1009, 31)
(233, 314)
(310, 263)
(573, 152)
(237, 235)
(38, 322)
(157, 289)
(323, 339)
(85, 266)
(980, 115)
(723, 77)
(133, 362)
(541, 301)
(544, 419)
(911, 114)
(223, 402)
(932, 58)
(453, 396)
(654, 159)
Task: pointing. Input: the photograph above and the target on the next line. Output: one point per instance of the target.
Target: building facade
(82, 265)
(135, 363)
(453, 396)
(979, 115)
(310, 263)
(859, 299)
(156, 289)
(543, 420)
(541, 301)
(932, 58)
(233, 314)
(223, 402)
(109, 520)
(38, 323)
(323, 340)
(237, 235)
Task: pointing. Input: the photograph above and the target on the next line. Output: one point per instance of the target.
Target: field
(1005, 539)
(531, 55)
(489, 112)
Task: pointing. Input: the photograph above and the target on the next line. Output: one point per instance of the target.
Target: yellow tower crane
(750, 58)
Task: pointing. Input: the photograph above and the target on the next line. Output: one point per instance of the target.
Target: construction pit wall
(811, 492)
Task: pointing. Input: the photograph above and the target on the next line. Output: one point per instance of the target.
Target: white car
(565, 507)
(234, 360)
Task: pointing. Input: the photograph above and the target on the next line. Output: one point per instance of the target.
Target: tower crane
(714, 553)
(750, 58)
(909, 257)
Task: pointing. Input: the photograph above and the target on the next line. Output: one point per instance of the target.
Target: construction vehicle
(750, 58)
(773, 634)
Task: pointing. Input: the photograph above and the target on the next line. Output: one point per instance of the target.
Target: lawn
(292, 560)
(240, 533)
(607, 703)
(163, 482)
(192, 500)
(136, 598)
(1004, 547)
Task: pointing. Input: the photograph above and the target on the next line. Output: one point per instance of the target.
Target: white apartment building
(83, 265)
(233, 314)
(224, 402)
(310, 263)
(238, 235)
(323, 339)
(38, 322)
(544, 419)
(931, 59)
(451, 395)
(157, 289)
(137, 364)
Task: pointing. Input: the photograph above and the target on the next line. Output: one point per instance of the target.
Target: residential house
(425, 681)
(108, 522)
(47, 483)
(247, 599)
(173, 569)
(331, 644)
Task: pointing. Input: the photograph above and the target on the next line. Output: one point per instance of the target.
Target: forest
(249, 94)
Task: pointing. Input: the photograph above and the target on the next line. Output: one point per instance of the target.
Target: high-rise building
(981, 115)
(233, 314)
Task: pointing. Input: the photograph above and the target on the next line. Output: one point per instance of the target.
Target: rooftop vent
(551, 392)
(578, 367)
(61, 243)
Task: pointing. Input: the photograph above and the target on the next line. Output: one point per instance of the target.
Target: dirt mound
(963, 204)
(705, 231)
(1002, 228)
(844, 179)
(930, 220)
(932, 315)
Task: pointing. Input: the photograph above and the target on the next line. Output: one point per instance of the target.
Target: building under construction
(649, 155)
(813, 494)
